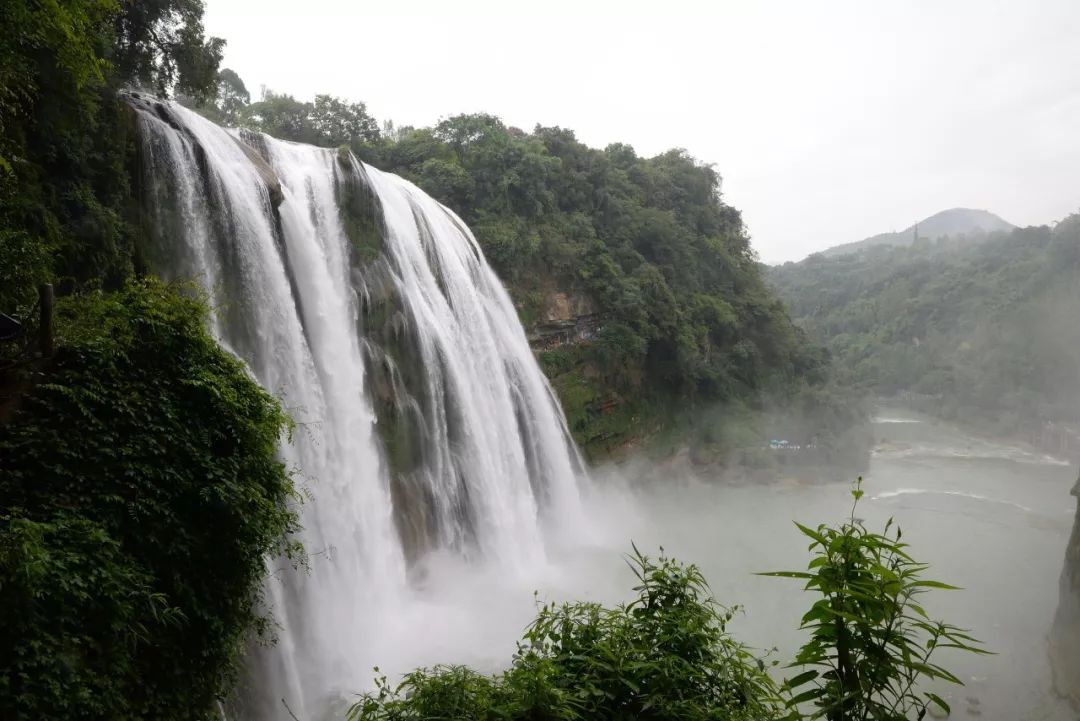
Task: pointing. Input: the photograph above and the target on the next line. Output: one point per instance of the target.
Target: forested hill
(982, 331)
(632, 275)
(634, 278)
(955, 222)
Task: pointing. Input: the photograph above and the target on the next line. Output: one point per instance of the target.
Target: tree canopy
(65, 145)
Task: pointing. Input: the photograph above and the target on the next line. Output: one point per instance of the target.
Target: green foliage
(137, 470)
(52, 158)
(871, 642)
(454, 693)
(46, 47)
(601, 420)
(339, 122)
(972, 329)
(141, 494)
(665, 655)
(65, 141)
(27, 263)
(232, 96)
(328, 121)
(161, 45)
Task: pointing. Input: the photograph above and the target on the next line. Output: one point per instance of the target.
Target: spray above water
(424, 424)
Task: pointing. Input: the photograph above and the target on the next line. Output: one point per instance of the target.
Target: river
(991, 518)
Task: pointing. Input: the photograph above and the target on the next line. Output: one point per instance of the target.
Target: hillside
(635, 281)
(982, 333)
(954, 222)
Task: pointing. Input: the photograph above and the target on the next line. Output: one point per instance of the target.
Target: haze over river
(991, 518)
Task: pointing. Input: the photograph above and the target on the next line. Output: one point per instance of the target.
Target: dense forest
(684, 343)
(979, 329)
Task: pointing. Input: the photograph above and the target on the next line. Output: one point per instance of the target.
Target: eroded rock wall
(1065, 633)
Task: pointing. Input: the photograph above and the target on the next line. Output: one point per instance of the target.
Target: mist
(992, 518)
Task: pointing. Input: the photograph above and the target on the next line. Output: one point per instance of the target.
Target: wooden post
(45, 328)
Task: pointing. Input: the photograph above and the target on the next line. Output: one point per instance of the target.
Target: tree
(64, 140)
(461, 131)
(338, 122)
(162, 45)
(281, 116)
(232, 95)
(51, 43)
(327, 122)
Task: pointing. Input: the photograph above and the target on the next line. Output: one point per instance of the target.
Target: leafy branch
(871, 641)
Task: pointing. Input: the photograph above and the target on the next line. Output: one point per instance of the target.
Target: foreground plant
(664, 655)
(871, 642)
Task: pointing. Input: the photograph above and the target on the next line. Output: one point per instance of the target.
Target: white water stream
(476, 463)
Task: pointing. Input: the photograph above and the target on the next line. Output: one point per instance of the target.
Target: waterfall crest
(424, 424)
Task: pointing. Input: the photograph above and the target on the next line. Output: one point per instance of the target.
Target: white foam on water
(885, 495)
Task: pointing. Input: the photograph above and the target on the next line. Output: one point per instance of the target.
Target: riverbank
(993, 519)
(890, 419)
(1057, 439)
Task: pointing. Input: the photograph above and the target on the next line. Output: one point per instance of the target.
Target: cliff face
(1065, 634)
(566, 318)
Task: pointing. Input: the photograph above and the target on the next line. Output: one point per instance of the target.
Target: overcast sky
(829, 121)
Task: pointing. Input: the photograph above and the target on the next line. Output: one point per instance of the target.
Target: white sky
(830, 121)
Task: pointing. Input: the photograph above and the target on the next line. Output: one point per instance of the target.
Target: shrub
(664, 655)
(140, 495)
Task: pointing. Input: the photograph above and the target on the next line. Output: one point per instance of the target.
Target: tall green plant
(664, 655)
(871, 641)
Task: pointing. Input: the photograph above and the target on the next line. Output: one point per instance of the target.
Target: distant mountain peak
(953, 221)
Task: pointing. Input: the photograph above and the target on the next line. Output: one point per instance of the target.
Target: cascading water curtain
(423, 421)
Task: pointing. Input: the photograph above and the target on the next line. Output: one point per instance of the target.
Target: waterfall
(424, 424)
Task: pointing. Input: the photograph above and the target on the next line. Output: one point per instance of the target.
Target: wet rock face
(1065, 633)
(250, 142)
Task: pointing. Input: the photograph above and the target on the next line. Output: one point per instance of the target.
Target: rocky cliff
(1065, 633)
(566, 318)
